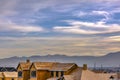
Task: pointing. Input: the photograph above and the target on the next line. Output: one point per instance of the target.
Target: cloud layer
(73, 27)
(71, 46)
(79, 27)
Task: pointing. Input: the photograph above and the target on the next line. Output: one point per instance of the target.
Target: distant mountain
(109, 60)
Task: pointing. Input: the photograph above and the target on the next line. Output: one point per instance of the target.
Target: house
(93, 75)
(8, 76)
(1, 76)
(45, 70)
(8, 73)
(23, 70)
(59, 71)
(83, 73)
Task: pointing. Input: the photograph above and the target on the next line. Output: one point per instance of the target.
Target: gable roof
(53, 66)
(43, 65)
(24, 65)
(62, 66)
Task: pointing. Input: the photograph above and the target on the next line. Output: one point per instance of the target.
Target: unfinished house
(23, 70)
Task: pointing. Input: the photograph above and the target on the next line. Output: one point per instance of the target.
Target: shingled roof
(62, 66)
(25, 65)
(43, 65)
(10, 74)
(53, 66)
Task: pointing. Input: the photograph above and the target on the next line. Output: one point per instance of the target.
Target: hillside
(111, 59)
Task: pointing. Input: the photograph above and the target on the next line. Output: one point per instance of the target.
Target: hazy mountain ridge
(111, 59)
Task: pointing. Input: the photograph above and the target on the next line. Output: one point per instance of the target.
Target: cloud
(11, 7)
(7, 25)
(7, 7)
(112, 39)
(70, 46)
(103, 13)
(85, 17)
(80, 13)
(94, 13)
(79, 27)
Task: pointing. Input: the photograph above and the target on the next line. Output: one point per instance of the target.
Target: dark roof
(8, 69)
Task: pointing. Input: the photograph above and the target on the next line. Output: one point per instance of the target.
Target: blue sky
(71, 27)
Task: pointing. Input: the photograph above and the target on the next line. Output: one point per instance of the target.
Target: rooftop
(25, 65)
(53, 66)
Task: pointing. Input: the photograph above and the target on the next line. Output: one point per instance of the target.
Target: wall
(26, 75)
(9, 78)
(43, 74)
(1, 78)
(19, 69)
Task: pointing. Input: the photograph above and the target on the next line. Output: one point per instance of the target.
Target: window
(57, 74)
(111, 78)
(12, 79)
(52, 73)
(62, 73)
(20, 74)
(33, 73)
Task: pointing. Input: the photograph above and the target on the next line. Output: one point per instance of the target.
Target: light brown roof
(25, 65)
(62, 66)
(11, 74)
(43, 65)
(53, 66)
(1, 75)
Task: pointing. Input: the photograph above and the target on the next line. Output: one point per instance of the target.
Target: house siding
(43, 74)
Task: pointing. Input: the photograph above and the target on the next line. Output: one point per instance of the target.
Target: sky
(63, 27)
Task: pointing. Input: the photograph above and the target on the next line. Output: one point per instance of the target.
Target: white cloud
(80, 13)
(16, 6)
(100, 12)
(112, 39)
(77, 27)
(103, 13)
(6, 25)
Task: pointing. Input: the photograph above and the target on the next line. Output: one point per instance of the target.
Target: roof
(1, 75)
(25, 65)
(53, 66)
(62, 66)
(9, 69)
(90, 75)
(69, 77)
(10, 74)
(43, 65)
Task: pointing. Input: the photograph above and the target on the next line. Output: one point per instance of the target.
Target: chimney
(85, 67)
(28, 61)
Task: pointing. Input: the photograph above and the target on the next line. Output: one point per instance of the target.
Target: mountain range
(109, 60)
